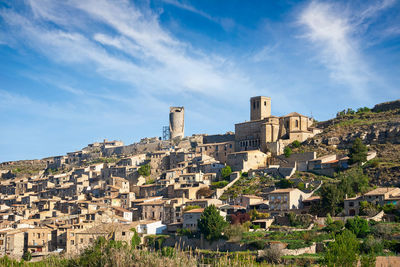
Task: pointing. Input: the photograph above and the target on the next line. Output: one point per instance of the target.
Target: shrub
(358, 226)
(144, 170)
(135, 241)
(219, 184)
(234, 232)
(372, 245)
(296, 144)
(272, 255)
(334, 226)
(226, 172)
(287, 152)
(368, 260)
(27, 256)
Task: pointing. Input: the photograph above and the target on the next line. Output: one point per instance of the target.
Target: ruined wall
(176, 122)
(387, 106)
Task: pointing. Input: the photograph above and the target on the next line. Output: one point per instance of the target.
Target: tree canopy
(343, 251)
(358, 152)
(226, 172)
(144, 170)
(211, 223)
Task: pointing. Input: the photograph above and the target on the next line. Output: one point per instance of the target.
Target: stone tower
(260, 108)
(176, 122)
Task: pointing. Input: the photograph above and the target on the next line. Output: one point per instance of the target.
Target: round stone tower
(176, 122)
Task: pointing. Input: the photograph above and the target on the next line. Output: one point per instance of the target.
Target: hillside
(380, 130)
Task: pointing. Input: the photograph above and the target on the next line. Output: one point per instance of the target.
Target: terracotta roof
(312, 198)
(195, 211)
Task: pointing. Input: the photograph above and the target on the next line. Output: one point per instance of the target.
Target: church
(269, 133)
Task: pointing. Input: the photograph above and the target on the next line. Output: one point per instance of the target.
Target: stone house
(218, 151)
(12, 242)
(246, 160)
(287, 199)
(379, 196)
(39, 240)
(191, 218)
(247, 200)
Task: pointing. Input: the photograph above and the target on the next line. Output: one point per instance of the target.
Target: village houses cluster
(82, 195)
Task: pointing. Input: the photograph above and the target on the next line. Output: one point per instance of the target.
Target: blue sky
(74, 72)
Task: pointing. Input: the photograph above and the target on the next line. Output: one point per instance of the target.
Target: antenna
(165, 133)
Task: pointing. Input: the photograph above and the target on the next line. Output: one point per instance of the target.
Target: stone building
(286, 199)
(270, 133)
(218, 151)
(379, 196)
(177, 122)
(246, 160)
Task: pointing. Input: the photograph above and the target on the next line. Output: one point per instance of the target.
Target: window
(123, 233)
(254, 104)
(72, 242)
(297, 123)
(351, 204)
(265, 103)
(258, 104)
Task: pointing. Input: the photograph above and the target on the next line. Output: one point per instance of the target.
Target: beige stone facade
(263, 128)
(246, 160)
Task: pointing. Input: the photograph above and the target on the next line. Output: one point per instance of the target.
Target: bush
(334, 227)
(296, 144)
(372, 245)
(135, 241)
(287, 152)
(272, 255)
(144, 170)
(358, 226)
(234, 232)
(226, 172)
(219, 184)
(27, 256)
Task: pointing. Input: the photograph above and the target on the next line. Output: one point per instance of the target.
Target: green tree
(331, 199)
(343, 251)
(358, 226)
(287, 152)
(358, 152)
(211, 223)
(226, 172)
(144, 170)
(135, 241)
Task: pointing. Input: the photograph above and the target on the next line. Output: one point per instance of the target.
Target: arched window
(297, 124)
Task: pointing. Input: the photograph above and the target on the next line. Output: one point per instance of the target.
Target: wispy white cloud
(149, 58)
(227, 23)
(333, 34)
(265, 54)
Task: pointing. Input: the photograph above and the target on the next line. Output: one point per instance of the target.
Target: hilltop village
(161, 187)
